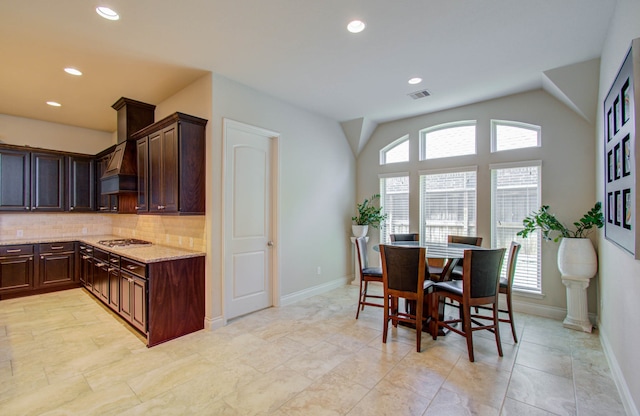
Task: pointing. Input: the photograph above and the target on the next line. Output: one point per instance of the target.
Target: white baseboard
(315, 290)
(545, 311)
(618, 377)
(213, 323)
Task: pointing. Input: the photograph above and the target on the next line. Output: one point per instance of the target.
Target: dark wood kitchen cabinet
(57, 264)
(174, 166)
(114, 282)
(85, 254)
(15, 180)
(31, 181)
(133, 293)
(47, 181)
(81, 184)
(16, 268)
(101, 275)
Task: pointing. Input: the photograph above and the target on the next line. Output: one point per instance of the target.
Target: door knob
(270, 243)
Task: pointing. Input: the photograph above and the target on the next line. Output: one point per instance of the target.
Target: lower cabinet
(16, 268)
(133, 294)
(57, 264)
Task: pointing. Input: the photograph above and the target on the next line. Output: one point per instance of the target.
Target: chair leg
(385, 320)
(510, 311)
(433, 306)
(419, 306)
(496, 323)
(360, 298)
(466, 324)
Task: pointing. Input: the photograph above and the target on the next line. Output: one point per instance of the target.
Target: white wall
(568, 171)
(619, 276)
(35, 133)
(317, 177)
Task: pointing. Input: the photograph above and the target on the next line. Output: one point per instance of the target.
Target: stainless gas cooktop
(124, 242)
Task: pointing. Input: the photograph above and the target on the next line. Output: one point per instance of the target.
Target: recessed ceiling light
(107, 13)
(73, 71)
(415, 80)
(355, 26)
(54, 104)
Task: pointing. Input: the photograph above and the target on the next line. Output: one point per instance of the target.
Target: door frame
(275, 208)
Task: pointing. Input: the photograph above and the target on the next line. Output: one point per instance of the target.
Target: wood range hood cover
(120, 175)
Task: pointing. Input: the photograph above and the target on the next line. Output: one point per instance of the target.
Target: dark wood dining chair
(506, 285)
(478, 287)
(403, 276)
(367, 274)
(405, 237)
(456, 272)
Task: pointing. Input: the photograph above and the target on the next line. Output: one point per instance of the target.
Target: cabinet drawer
(101, 255)
(56, 247)
(133, 267)
(16, 250)
(114, 260)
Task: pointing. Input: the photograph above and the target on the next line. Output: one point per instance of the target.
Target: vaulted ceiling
(297, 50)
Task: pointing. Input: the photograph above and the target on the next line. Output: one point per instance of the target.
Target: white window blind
(507, 135)
(447, 140)
(448, 204)
(394, 199)
(515, 194)
(396, 152)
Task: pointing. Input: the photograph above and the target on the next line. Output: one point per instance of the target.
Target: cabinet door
(101, 200)
(16, 273)
(126, 284)
(47, 182)
(155, 172)
(139, 303)
(142, 203)
(15, 184)
(170, 170)
(86, 270)
(114, 289)
(57, 268)
(81, 184)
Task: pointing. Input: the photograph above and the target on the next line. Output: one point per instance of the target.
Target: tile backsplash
(182, 232)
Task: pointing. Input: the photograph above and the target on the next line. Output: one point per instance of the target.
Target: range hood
(120, 175)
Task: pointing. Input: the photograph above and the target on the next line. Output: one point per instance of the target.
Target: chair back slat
(363, 259)
(514, 249)
(404, 237)
(402, 266)
(484, 276)
(464, 239)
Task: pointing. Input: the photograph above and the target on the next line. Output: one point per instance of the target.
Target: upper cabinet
(171, 166)
(81, 184)
(36, 180)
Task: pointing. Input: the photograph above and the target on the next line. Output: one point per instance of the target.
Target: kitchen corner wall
(180, 232)
(186, 232)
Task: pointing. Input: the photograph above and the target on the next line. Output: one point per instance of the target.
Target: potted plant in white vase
(368, 215)
(577, 260)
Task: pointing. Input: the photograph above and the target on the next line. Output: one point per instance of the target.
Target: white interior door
(248, 225)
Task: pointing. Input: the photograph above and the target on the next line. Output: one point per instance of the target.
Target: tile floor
(64, 354)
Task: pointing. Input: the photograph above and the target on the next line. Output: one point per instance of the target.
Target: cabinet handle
(114, 260)
(130, 267)
(103, 208)
(41, 257)
(137, 207)
(56, 247)
(14, 250)
(70, 208)
(100, 264)
(160, 206)
(115, 208)
(85, 257)
(89, 250)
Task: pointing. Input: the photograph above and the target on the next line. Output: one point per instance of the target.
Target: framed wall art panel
(621, 114)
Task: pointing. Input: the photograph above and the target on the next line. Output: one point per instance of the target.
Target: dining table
(451, 253)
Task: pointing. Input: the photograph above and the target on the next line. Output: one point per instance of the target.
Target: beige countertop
(146, 254)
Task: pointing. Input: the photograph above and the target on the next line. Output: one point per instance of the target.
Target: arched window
(508, 135)
(397, 151)
(447, 140)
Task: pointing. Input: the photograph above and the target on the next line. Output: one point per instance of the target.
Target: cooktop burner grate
(124, 242)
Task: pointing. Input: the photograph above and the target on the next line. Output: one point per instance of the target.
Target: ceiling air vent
(419, 94)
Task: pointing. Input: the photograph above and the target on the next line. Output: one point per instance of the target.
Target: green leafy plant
(547, 223)
(368, 214)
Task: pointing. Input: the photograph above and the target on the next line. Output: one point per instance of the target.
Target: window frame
(423, 173)
(422, 134)
(393, 145)
(512, 165)
(512, 123)
(382, 178)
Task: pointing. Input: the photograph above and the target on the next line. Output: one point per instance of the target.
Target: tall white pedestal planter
(577, 263)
